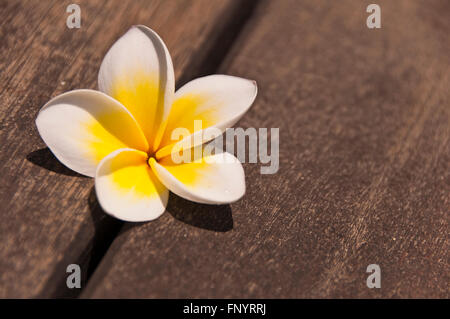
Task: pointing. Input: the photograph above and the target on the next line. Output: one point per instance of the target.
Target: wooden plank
(50, 215)
(364, 167)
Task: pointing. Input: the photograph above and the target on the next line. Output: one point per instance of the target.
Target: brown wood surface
(50, 216)
(364, 153)
(364, 167)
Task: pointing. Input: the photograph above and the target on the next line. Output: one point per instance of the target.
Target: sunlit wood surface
(364, 153)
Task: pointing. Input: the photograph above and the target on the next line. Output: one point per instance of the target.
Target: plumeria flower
(122, 134)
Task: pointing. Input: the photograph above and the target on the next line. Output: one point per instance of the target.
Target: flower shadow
(210, 217)
(45, 159)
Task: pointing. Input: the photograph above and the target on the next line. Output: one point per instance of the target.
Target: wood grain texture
(364, 167)
(50, 217)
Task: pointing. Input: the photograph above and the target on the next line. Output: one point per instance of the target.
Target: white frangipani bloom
(121, 135)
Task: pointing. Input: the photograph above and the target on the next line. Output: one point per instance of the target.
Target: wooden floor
(364, 118)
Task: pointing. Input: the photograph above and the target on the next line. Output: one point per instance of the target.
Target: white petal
(127, 188)
(81, 127)
(138, 72)
(218, 101)
(216, 179)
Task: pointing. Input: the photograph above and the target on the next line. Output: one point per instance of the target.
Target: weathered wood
(364, 167)
(50, 217)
